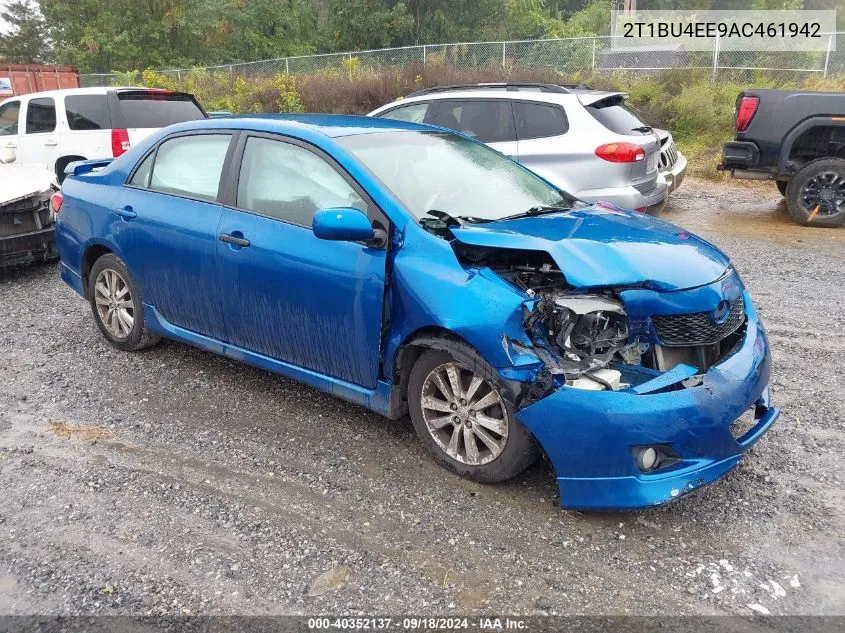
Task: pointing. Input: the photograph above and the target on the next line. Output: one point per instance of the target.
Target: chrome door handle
(126, 213)
(11, 145)
(50, 142)
(231, 239)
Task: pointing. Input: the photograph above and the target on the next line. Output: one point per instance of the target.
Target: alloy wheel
(824, 194)
(464, 414)
(115, 307)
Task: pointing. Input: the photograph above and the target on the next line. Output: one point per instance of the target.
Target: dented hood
(17, 183)
(606, 246)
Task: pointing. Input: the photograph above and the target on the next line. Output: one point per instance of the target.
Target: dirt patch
(87, 434)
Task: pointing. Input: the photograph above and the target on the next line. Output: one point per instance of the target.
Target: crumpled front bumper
(590, 437)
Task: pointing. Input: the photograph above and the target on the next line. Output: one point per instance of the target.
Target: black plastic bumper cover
(739, 155)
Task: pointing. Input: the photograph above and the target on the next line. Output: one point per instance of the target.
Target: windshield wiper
(538, 210)
(452, 220)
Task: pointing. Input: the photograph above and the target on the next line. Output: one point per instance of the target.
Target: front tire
(117, 306)
(463, 420)
(816, 195)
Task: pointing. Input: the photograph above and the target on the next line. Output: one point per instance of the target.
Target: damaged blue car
(417, 272)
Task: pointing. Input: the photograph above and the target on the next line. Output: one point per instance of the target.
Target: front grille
(668, 155)
(697, 328)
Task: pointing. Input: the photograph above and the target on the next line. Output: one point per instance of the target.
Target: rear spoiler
(591, 98)
(79, 167)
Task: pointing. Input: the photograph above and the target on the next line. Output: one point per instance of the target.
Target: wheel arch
(798, 132)
(93, 252)
(64, 161)
(443, 339)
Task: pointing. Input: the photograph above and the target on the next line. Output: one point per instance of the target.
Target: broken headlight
(585, 331)
(590, 324)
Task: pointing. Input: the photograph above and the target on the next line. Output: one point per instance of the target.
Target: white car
(54, 128)
(585, 141)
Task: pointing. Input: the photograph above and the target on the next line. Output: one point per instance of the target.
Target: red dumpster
(21, 79)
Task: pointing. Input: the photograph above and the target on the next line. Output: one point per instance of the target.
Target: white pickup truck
(54, 128)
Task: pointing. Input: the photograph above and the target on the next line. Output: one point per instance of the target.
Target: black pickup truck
(796, 139)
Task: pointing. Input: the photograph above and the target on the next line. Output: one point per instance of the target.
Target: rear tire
(475, 433)
(816, 195)
(117, 306)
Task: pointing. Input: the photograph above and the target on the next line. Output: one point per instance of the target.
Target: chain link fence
(569, 55)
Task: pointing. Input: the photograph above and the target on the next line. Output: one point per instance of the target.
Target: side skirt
(377, 399)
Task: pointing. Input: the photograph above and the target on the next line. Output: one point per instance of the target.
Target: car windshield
(442, 172)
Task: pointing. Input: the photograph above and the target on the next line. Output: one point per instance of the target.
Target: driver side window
(9, 114)
(290, 183)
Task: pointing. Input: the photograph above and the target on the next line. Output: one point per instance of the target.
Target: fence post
(423, 54)
(715, 57)
(287, 68)
(827, 55)
(504, 44)
(593, 66)
(178, 75)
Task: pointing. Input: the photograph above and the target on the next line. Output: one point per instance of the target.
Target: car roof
(97, 90)
(581, 95)
(328, 125)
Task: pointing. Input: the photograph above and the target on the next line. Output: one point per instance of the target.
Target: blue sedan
(417, 272)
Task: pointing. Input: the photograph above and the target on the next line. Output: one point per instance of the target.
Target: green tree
(26, 41)
(364, 24)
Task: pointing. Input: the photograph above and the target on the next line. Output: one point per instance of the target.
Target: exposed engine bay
(585, 339)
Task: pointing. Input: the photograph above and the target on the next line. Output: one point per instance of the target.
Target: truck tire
(816, 194)
(781, 185)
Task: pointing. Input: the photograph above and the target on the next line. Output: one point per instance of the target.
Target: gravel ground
(225, 489)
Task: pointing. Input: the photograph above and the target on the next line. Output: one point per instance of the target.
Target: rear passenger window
(87, 112)
(414, 113)
(9, 114)
(41, 116)
(190, 165)
(538, 120)
(141, 177)
(487, 121)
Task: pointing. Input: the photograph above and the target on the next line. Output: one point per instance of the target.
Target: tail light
(119, 142)
(620, 152)
(745, 112)
(56, 201)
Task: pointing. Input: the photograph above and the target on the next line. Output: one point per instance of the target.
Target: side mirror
(7, 155)
(344, 224)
